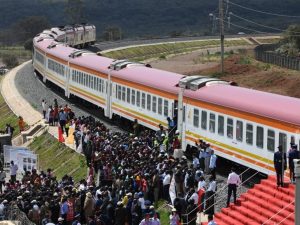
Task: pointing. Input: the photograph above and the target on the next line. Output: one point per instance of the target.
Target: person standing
(21, 124)
(13, 171)
(233, 181)
(280, 165)
(213, 164)
(210, 196)
(9, 130)
(44, 108)
(2, 179)
(211, 220)
(293, 154)
(62, 120)
(166, 186)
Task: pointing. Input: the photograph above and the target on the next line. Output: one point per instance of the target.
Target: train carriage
(242, 125)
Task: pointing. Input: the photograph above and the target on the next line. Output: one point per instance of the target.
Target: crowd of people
(128, 175)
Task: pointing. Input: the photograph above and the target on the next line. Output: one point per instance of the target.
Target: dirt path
(190, 63)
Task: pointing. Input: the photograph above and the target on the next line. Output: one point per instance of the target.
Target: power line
(263, 12)
(258, 24)
(245, 28)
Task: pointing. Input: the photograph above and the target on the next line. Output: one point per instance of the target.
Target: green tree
(28, 45)
(29, 27)
(74, 11)
(292, 35)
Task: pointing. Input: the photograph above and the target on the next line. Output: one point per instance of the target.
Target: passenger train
(74, 36)
(242, 125)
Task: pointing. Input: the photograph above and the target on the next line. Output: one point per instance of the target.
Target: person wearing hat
(89, 205)
(174, 218)
(60, 221)
(146, 220)
(121, 216)
(293, 154)
(280, 165)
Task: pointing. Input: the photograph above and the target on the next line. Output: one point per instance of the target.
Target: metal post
(221, 21)
(297, 191)
(180, 117)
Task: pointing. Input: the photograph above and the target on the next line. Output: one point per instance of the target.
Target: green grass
(7, 116)
(164, 213)
(140, 53)
(268, 40)
(18, 51)
(60, 158)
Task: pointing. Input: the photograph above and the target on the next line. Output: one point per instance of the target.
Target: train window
(133, 97)
(119, 92)
(239, 130)
(148, 102)
(260, 137)
(143, 100)
(271, 140)
(230, 128)
(221, 125)
(154, 104)
(128, 95)
(95, 83)
(138, 98)
(123, 93)
(166, 107)
(92, 83)
(212, 122)
(100, 86)
(292, 140)
(249, 134)
(196, 117)
(204, 120)
(159, 106)
(283, 141)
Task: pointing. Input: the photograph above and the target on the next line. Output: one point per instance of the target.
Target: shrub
(10, 60)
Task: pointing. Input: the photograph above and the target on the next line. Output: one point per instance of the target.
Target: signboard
(23, 157)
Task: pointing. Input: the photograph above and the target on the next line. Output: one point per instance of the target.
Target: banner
(23, 157)
(172, 190)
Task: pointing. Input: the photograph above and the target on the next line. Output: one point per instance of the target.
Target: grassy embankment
(141, 53)
(57, 156)
(19, 52)
(7, 116)
(52, 154)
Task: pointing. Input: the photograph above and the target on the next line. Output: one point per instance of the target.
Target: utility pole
(221, 24)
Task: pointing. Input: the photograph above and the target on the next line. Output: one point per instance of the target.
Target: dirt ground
(240, 68)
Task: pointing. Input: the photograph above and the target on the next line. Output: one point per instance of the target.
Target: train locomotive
(243, 125)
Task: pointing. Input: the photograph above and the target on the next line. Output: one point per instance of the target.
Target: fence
(265, 53)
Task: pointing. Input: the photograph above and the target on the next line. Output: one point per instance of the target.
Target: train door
(108, 111)
(67, 80)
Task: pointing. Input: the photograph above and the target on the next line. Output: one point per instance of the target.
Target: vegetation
(13, 55)
(57, 156)
(290, 45)
(146, 18)
(7, 116)
(140, 53)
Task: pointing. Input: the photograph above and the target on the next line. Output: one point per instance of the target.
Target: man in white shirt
(213, 164)
(232, 182)
(13, 171)
(166, 186)
(196, 161)
(210, 196)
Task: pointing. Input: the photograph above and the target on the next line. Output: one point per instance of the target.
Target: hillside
(148, 18)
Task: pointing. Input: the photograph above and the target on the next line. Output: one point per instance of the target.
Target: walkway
(20, 106)
(15, 100)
